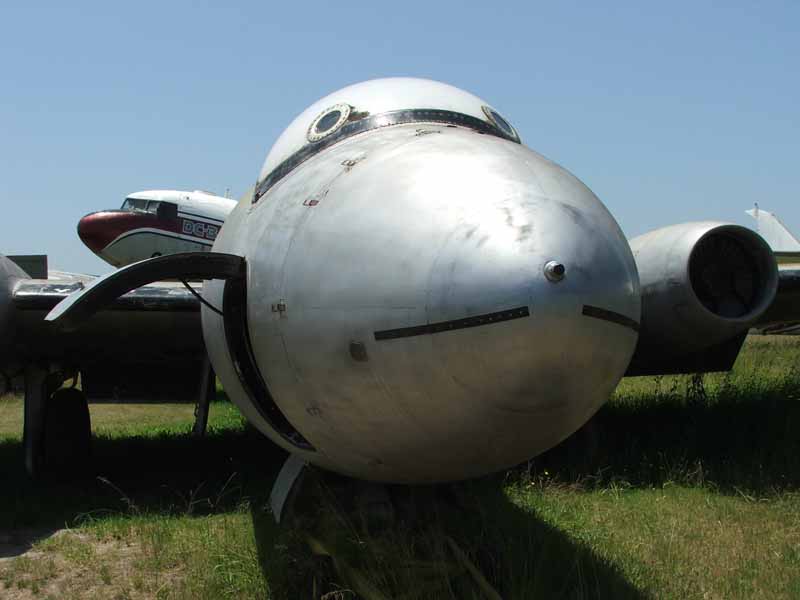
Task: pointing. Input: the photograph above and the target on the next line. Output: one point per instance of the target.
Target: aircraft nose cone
(573, 296)
(98, 229)
(551, 285)
(467, 303)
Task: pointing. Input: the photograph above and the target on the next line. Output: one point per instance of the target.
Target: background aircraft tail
(773, 231)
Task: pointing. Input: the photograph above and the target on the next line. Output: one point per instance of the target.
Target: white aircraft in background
(785, 247)
(153, 223)
(149, 224)
(784, 244)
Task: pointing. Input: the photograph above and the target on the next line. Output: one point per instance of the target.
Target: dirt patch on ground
(71, 564)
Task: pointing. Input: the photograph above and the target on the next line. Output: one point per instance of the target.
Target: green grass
(180, 506)
(680, 487)
(114, 420)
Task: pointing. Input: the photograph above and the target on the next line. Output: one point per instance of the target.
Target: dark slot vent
(238, 338)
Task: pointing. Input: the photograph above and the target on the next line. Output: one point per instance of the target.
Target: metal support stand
(206, 391)
(40, 383)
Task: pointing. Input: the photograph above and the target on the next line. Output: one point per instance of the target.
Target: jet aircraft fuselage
(427, 299)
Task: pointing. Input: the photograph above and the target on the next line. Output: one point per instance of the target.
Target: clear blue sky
(669, 111)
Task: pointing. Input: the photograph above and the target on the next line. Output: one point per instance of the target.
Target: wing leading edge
(785, 310)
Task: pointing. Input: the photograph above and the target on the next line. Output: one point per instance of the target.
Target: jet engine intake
(703, 286)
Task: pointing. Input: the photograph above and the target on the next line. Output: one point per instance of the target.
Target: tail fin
(773, 231)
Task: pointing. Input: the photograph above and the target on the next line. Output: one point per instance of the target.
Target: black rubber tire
(67, 440)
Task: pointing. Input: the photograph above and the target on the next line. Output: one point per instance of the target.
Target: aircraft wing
(785, 309)
(44, 294)
(147, 341)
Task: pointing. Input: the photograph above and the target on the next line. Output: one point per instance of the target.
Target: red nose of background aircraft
(99, 229)
(154, 223)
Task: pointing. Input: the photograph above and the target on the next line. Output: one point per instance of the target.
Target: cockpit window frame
(146, 205)
(500, 122)
(130, 205)
(315, 134)
(378, 121)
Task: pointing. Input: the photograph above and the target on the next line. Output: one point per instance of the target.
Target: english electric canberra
(410, 294)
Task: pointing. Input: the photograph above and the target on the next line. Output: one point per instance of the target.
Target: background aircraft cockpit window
(167, 210)
(134, 204)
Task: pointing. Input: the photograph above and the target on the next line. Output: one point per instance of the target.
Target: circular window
(328, 121)
(499, 122)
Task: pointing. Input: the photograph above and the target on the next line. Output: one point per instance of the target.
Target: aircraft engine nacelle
(703, 285)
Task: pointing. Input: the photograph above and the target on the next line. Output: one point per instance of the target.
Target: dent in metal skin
(426, 229)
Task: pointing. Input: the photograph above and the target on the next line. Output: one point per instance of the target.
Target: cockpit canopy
(380, 102)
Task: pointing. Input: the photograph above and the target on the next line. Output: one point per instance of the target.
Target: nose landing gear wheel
(57, 430)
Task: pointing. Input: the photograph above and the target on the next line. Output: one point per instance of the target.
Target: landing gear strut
(57, 431)
(206, 392)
